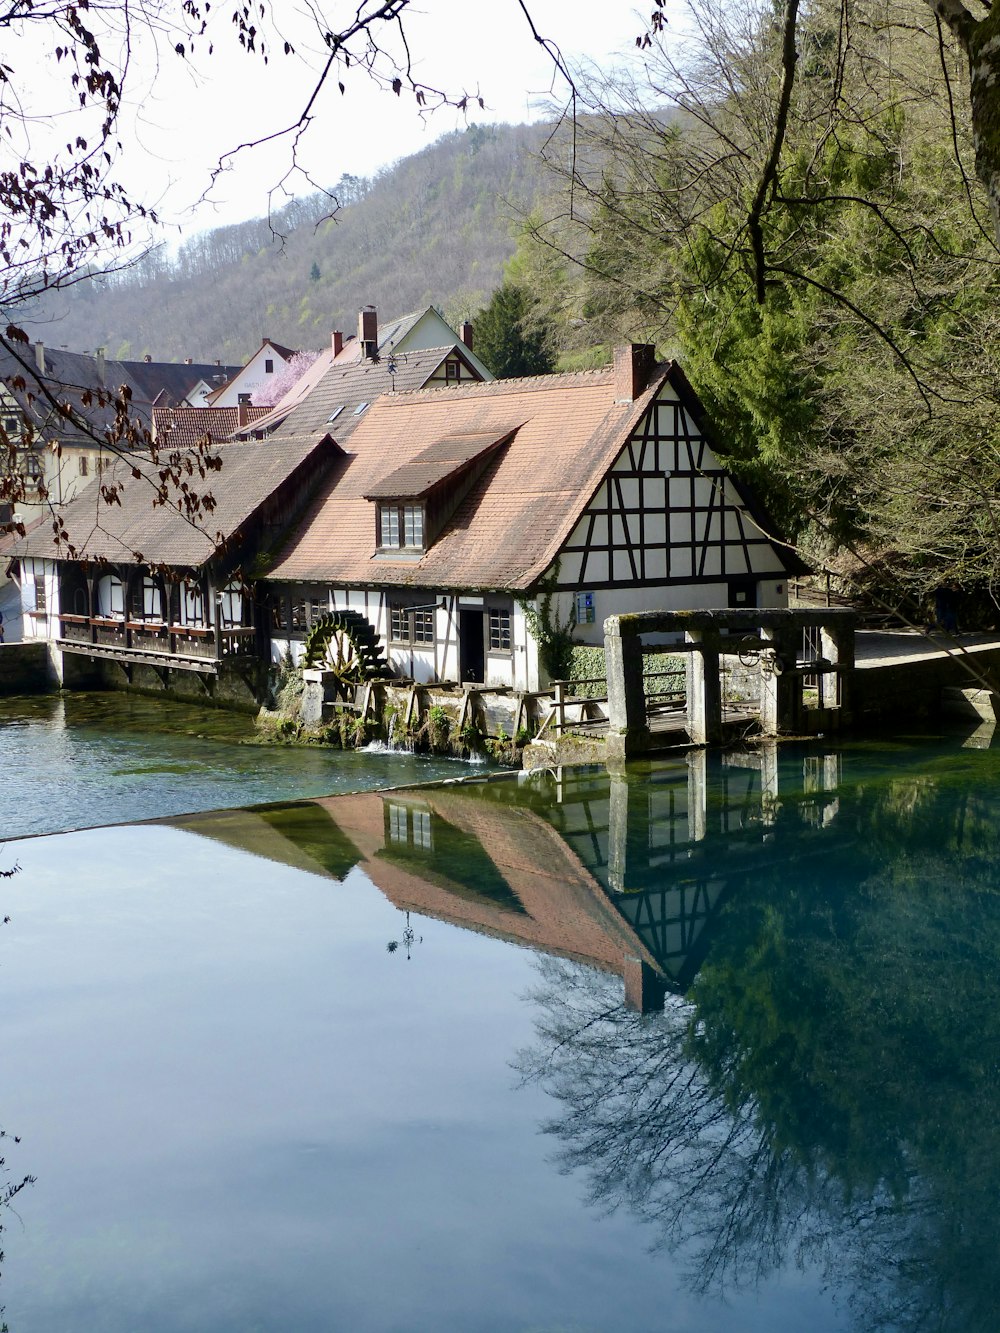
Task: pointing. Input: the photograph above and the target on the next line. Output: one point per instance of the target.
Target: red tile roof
(183, 427)
(509, 527)
(161, 534)
(437, 463)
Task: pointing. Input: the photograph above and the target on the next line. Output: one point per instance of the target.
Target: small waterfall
(389, 745)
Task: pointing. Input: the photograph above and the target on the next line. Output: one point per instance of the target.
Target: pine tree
(513, 338)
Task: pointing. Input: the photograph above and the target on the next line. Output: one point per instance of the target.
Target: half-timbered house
(457, 518)
(145, 593)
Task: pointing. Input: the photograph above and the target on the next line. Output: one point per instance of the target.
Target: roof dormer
(414, 502)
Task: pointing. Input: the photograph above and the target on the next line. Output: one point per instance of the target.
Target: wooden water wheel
(344, 643)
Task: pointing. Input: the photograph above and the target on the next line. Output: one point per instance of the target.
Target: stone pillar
(645, 988)
(628, 731)
(837, 646)
(628, 838)
(704, 687)
(317, 684)
(781, 688)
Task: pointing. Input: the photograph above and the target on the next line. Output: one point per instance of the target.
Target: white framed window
(401, 525)
(151, 605)
(500, 641)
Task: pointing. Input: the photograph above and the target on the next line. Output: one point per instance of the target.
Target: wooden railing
(149, 638)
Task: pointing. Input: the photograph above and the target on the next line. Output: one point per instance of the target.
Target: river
(364, 1061)
(77, 760)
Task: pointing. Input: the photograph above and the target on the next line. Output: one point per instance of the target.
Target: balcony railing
(137, 640)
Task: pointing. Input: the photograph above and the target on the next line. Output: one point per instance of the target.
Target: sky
(180, 122)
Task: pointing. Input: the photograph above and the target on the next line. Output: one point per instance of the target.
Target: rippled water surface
(76, 760)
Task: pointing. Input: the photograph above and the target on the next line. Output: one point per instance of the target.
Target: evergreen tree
(513, 338)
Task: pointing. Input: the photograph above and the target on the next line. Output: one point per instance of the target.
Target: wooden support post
(464, 710)
(518, 714)
(411, 699)
(366, 699)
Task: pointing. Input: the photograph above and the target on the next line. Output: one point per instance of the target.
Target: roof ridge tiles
(491, 388)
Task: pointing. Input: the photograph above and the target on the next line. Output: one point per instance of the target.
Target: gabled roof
(183, 427)
(286, 352)
(76, 377)
(238, 372)
(332, 404)
(564, 431)
(508, 529)
(437, 464)
(161, 534)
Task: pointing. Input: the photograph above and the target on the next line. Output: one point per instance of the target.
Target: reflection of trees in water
(829, 1091)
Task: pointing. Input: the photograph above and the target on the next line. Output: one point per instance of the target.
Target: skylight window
(359, 409)
(335, 414)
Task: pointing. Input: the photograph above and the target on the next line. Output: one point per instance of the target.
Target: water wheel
(344, 643)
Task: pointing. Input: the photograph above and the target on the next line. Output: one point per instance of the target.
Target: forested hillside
(818, 252)
(436, 228)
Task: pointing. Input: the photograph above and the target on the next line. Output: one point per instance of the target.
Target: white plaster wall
(43, 572)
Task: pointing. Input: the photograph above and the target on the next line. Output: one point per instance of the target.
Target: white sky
(193, 113)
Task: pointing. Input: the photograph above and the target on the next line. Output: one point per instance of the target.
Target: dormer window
(401, 525)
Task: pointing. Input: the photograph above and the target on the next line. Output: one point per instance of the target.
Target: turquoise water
(77, 760)
(366, 1063)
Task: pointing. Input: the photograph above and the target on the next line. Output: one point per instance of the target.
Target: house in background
(458, 515)
(446, 527)
(391, 347)
(266, 364)
(184, 427)
(67, 449)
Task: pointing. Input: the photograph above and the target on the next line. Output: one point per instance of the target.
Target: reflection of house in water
(625, 872)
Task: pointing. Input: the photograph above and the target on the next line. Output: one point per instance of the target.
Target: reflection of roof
(294, 833)
(436, 464)
(183, 427)
(564, 911)
(508, 528)
(95, 530)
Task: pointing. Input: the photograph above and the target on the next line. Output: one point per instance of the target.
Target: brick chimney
(101, 366)
(148, 359)
(368, 330)
(40, 357)
(337, 342)
(466, 333)
(633, 366)
(189, 360)
(243, 410)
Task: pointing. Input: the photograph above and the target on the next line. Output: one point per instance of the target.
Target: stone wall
(912, 688)
(25, 668)
(227, 690)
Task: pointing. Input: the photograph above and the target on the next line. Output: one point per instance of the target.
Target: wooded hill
(434, 229)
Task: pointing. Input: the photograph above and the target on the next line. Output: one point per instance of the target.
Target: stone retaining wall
(912, 688)
(25, 668)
